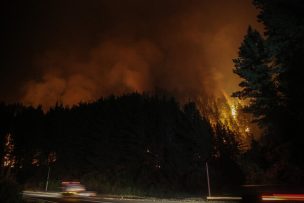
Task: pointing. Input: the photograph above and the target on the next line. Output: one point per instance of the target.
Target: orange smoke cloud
(183, 47)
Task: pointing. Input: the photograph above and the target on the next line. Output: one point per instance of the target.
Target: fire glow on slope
(227, 111)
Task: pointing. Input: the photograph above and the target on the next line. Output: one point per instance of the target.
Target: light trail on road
(283, 197)
(57, 197)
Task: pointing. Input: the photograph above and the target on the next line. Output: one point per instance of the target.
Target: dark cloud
(73, 51)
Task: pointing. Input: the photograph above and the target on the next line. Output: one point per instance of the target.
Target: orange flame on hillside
(227, 111)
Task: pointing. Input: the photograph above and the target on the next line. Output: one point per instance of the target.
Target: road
(53, 197)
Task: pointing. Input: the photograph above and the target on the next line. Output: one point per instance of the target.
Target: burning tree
(8, 160)
(226, 111)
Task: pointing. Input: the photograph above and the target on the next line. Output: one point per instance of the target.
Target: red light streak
(281, 197)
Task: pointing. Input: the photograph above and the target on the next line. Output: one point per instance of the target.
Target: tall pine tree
(270, 67)
(258, 88)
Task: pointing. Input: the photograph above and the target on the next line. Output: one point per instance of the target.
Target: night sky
(72, 51)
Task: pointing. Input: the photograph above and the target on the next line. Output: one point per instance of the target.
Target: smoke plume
(83, 50)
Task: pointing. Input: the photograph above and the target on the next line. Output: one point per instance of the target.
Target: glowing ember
(233, 111)
(35, 162)
(52, 157)
(8, 158)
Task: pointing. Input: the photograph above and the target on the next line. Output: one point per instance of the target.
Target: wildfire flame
(233, 111)
(227, 111)
(9, 159)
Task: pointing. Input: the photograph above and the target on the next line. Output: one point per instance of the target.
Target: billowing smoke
(89, 49)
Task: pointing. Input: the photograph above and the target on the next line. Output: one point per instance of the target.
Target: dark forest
(157, 144)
